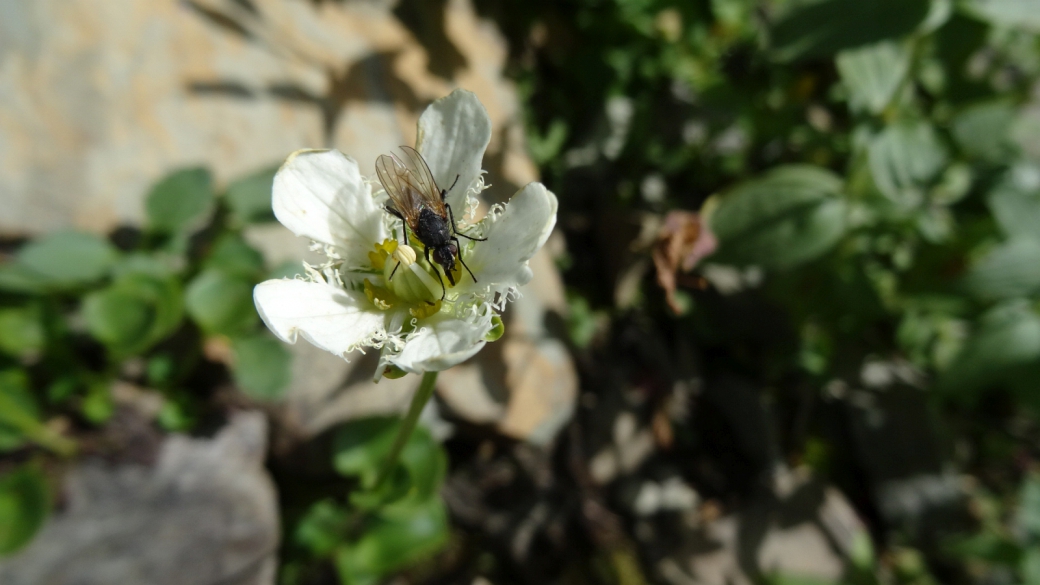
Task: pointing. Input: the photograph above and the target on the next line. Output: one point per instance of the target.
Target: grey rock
(800, 527)
(206, 513)
(905, 463)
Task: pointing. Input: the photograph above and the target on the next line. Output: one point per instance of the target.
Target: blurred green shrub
(78, 310)
(880, 161)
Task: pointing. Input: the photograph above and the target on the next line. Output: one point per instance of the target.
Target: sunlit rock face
(97, 100)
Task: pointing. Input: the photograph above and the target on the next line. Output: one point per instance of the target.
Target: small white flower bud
(405, 254)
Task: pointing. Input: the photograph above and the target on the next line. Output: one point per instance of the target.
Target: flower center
(407, 280)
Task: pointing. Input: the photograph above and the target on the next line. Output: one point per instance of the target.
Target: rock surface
(98, 100)
(206, 513)
(801, 530)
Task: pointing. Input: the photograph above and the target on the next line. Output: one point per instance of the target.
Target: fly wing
(403, 195)
(424, 183)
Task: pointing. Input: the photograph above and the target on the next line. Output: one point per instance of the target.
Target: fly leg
(444, 192)
(455, 230)
(444, 289)
(404, 229)
(458, 248)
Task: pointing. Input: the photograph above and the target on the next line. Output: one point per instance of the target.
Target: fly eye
(442, 255)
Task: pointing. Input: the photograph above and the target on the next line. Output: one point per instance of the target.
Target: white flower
(350, 302)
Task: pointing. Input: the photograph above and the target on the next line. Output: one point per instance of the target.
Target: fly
(416, 200)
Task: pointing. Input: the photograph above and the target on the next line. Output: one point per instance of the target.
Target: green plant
(78, 311)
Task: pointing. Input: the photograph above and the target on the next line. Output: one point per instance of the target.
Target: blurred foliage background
(802, 240)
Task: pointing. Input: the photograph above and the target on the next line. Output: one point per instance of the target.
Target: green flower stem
(422, 396)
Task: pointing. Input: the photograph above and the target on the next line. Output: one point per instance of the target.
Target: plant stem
(422, 396)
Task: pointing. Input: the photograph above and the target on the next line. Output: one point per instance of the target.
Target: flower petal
(442, 341)
(331, 318)
(512, 239)
(320, 194)
(454, 131)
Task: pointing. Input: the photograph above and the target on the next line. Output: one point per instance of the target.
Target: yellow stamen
(425, 310)
(381, 253)
(382, 298)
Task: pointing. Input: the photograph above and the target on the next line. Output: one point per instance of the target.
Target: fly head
(445, 256)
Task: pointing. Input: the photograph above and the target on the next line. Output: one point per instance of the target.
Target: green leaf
(166, 297)
(154, 264)
(361, 445)
(249, 198)
(118, 318)
(1016, 209)
(360, 448)
(544, 148)
(179, 413)
(582, 321)
(939, 13)
(62, 389)
(426, 464)
(19, 414)
(1028, 515)
(792, 215)
(389, 545)
(935, 224)
(904, 158)
(135, 312)
(233, 255)
(180, 201)
(1005, 343)
(221, 303)
(24, 505)
(983, 130)
(1006, 13)
(1030, 566)
(262, 367)
(160, 370)
(14, 384)
(861, 551)
(1008, 271)
(322, 528)
(987, 546)
(68, 259)
(21, 331)
(17, 278)
(380, 497)
(822, 29)
(954, 185)
(873, 74)
(793, 579)
(1025, 132)
(957, 40)
(98, 405)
